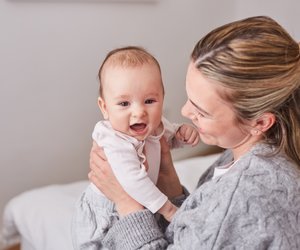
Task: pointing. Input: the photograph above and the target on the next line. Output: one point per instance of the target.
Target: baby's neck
(158, 130)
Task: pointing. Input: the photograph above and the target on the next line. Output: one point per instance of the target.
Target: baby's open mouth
(138, 126)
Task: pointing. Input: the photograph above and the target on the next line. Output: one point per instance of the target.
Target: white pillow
(190, 170)
(42, 217)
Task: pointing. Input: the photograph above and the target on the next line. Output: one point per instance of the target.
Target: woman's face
(214, 118)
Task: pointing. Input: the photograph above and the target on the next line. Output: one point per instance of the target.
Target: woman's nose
(185, 110)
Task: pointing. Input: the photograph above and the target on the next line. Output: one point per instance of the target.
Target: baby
(131, 101)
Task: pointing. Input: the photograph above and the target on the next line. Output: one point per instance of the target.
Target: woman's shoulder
(265, 160)
(252, 200)
(269, 180)
(257, 174)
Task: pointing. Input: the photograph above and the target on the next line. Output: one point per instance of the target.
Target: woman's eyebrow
(200, 109)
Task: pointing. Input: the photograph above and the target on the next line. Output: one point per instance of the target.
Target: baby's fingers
(193, 139)
(196, 139)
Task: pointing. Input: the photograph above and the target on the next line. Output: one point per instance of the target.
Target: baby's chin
(140, 138)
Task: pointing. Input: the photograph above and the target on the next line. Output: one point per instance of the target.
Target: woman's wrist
(178, 200)
(170, 185)
(168, 181)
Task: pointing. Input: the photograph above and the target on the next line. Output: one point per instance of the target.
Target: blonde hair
(259, 63)
(129, 56)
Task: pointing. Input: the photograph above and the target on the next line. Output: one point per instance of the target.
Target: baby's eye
(149, 101)
(123, 104)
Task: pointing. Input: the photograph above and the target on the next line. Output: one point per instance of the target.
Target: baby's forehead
(114, 68)
(118, 78)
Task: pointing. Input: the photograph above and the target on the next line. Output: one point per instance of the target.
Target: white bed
(40, 219)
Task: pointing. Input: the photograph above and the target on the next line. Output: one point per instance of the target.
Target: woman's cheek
(201, 130)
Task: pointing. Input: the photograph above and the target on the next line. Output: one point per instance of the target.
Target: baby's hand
(188, 134)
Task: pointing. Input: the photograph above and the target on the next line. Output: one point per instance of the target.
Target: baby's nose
(138, 112)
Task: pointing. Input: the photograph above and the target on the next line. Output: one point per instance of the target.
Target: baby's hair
(129, 56)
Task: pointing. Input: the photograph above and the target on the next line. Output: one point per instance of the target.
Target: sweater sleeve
(136, 231)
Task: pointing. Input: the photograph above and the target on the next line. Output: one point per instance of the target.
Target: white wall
(50, 51)
(286, 12)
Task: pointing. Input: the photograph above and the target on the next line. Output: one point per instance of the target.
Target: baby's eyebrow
(153, 94)
(200, 109)
(123, 96)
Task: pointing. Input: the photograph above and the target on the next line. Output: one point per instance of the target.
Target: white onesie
(126, 157)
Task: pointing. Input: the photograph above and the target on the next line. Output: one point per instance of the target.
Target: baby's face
(133, 99)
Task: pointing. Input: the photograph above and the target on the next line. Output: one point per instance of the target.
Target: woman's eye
(123, 104)
(199, 114)
(149, 101)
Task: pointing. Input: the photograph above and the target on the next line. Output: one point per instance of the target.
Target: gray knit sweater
(255, 205)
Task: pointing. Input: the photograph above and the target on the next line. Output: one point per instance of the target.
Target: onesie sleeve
(129, 169)
(170, 130)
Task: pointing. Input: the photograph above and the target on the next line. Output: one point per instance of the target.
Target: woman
(243, 88)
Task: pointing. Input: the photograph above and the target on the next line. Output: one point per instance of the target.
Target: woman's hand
(168, 181)
(102, 176)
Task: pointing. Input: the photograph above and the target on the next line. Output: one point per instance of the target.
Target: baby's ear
(102, 106)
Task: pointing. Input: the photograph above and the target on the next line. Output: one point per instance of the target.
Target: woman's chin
(207, 140)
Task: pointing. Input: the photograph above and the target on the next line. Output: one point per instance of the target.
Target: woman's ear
(102, 106)
(263, 123)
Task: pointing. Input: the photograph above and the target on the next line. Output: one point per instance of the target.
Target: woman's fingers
(92, 177)
(165, 148)
(97, 157)
(98, 151)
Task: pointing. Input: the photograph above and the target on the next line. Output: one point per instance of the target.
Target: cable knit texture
(255, 205)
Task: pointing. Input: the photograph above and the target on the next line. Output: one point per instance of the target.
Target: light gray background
(50, 52)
